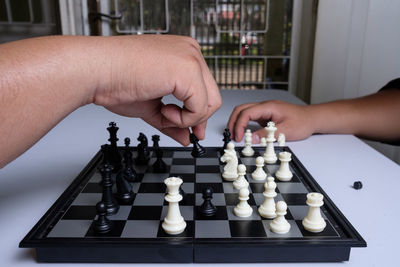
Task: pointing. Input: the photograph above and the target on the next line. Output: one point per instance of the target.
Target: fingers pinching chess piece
(248, 151)
(243, 209)
(102, 225)
(280, 225)
(281, 139)
(263, 141)
(173, 223)
(207, 208)
(269, 155)
(226, 139)
(283, 173)
(259, 173)
(241, 181)
(198, 151)
(230, 169)
(267, 209)
(314, 222)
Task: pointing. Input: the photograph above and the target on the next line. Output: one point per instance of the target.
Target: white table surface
(31, 184)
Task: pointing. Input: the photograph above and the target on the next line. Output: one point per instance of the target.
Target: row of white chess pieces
(313, 222)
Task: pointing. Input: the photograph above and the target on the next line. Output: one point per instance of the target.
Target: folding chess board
(65, 233)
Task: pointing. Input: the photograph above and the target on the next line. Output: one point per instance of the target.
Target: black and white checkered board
(66, 233)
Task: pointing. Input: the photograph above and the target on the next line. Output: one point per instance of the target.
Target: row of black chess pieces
(111, 154)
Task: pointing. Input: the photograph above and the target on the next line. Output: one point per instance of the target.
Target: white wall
(357, 51)
(357, 48)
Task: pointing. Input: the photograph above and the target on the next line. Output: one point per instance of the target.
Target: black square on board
(116, 230)
(80, 213)
(247, 229)
(152, 188)
(211, 153)
(295, 199)
(232, 199)
(217, 187)
(219, 215)
(207, 169)
(145, 213)
(183, 161)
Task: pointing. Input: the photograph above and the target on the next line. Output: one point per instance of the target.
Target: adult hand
(293, 120)
(143, 69)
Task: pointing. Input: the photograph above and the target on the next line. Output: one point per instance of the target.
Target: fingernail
(256, 139)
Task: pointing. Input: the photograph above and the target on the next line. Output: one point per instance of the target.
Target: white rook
(284, 174)
(173, 223)
(314, 222)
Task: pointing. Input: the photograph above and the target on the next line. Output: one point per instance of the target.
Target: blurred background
(317, 50)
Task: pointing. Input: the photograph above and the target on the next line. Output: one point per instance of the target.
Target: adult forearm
(42, 80)
(374, 117)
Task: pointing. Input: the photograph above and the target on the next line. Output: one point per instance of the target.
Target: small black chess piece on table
(198, 151)
(357, 185)
(143, 155)
(207, 208)
(113, 154)
(111, 205)
(102, 225)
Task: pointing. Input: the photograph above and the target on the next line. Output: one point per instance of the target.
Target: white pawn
(243, 209)
(248, 151)
(283, 173)
(281, 139)
(269, 155)
(173, 223)
(259, 173)
(241, 182)
(263, 141)
(248, 133)
(268, 209)
(230, 157)
(314, 222)
(280, 225)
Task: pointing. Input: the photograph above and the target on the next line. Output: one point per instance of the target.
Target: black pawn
(227, 139)
(102, 225)
(114, 156)
(159, 165)
(128, 171)
(207, 208)
(108, 198)
(198, 151)
(357, 185)
(156, 139)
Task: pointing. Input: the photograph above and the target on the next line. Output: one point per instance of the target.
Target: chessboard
(65, 233)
